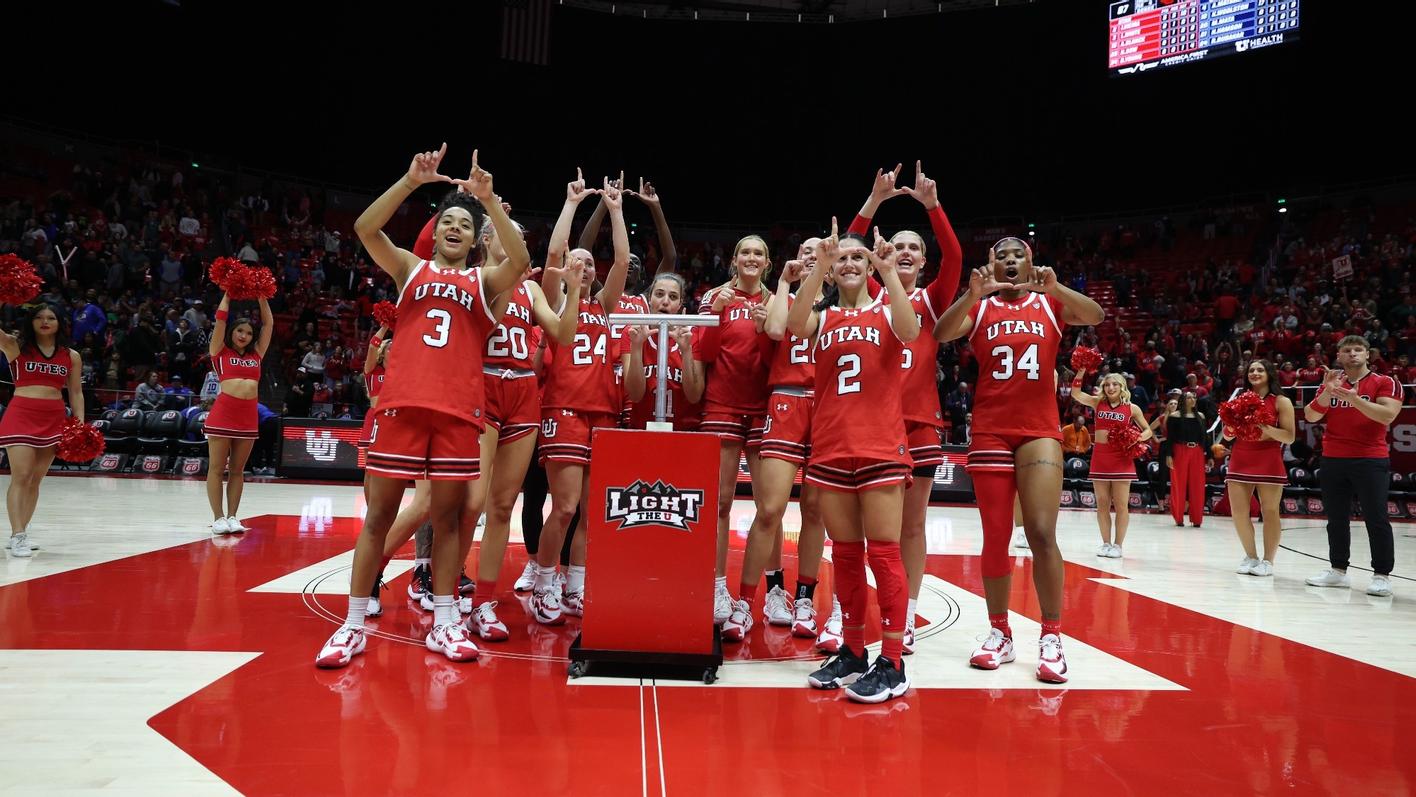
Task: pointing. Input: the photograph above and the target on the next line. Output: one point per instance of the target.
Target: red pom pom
(1128, 439)
(260, 284)
(79, 442)
(1085, 359)
(240, 281)
(385, 314)
(19, 282)
(1244, 414)
(221, 268)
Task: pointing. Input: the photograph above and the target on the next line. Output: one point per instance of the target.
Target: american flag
(526, 31)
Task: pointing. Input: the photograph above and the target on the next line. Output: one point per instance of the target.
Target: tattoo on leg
(1057, 465)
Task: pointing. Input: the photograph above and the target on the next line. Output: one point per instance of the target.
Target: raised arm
(560, 327)
(591, 232)
(218, 327)
(955, 323)
(369, 226)
(503, 276)
(1078, 309)
(803, 318)
(902, 315)
(693, 378)
(951, 254)
(882, 189)
(634, 374)
(575, 193)
(613, 288)
(776, 326)
(668, 255)
(371, 358)
(267, 327)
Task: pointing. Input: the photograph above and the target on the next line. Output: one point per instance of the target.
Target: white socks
(575, 579)
(358, 606)
(545, 577)
(910, 612)
(422, 562)
(720, 584)
(444, 610)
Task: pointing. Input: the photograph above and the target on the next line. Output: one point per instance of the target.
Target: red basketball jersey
(858, 414)
(511, 344)
(580, 376)
(739, 359)
(791, 361)
(920, 358)
(374, 381)
(627, 304)
(1016, 346)
(443, 324)
(685, 416)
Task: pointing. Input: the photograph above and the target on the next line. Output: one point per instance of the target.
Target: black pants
(1369, 480)
(533, 501)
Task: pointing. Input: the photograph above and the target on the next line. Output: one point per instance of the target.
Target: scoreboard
(1146, 34)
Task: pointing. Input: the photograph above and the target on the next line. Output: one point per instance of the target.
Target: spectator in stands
(171, 272)
(150, 395)
(178, 395)
(307, 337)
(1140, 396)
(190, 434)
(196, 315)
(89, 318)
(1076, 438)
(959, 404)
(962, 433)
(263, 456)
(314, 361)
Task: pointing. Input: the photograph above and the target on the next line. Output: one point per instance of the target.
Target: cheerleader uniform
(230, 416)
(1109, 462)
(1258, 461)
(36, 422)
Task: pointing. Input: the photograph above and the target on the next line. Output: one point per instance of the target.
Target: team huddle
(831, 373)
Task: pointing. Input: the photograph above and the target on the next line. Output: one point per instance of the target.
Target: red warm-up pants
(1187, 481)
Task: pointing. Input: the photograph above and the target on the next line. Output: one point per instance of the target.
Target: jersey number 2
(846, 381)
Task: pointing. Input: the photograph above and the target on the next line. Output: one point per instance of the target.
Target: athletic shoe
(221, 526)
(1246, 567)
(1330, 578)
(995, 651)
(738, 623)
(1020, 537)
(421, 583)
(841, 670)
(425, 602)
(464, 605)
(451, 640)
(484, 623)
(573, 603)
(375, 605)
(465, 586)
(527, 581)
(1115, 551)
(777, 607)
(831, 639)
(722, 604)
(1051, 664)
(1104, 550)
(1380, 587)
(341, 648)
(909, 638)
(482, 520)
(804, 619)
(546, 606)
(19, 545)
(236, 526)
(881, 683)
(1263, 569)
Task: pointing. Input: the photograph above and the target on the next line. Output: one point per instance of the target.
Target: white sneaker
(546, 606)
(831, 638)
(464, 604)
(221, 526)
(1051, 664)
(451, 640)
(1115, 551)
(804, 618)
(1263, 569)
(425, 601)
(737, 625)
(236, 526)
(1020, 537)
(573, 603)
(1330, 578)
(1380, 587)
(1104, 550)
(527, 581)
(1246, 567)
(341, 648)
(777, 608)
(484, 623)
(908, 640)
(19, 545)
(482, 521)
(995, 651)
(722, 604)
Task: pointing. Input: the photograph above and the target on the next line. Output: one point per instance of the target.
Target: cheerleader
(233, 425)
(1112, 467)
(859, 454)
(1257, 466)
(1016, 448)
(373, 385)
(34, 421)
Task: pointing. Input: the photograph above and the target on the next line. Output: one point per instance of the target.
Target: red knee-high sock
(995, 491)
(1052, 627)
(848, 559)
(892, 592)
(486, 588)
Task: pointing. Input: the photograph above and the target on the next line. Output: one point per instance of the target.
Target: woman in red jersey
(859, 454)
(513, 416)
(580, 396)
(738, 358)
(924, 420)
(1257, 466)
(373, 385)
(786, 444)
(232, 426)
(683, 371)
(34, 421)
(431, 409)
(1112, 468)
(1016, 445)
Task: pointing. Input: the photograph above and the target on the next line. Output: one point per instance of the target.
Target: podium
(651, 546)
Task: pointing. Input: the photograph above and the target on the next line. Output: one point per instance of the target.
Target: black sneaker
(843, 668)
(378, 585)
(465, 585)
(882, 683)
(421, 582)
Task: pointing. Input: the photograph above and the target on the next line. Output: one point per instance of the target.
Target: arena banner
(320, 448)
(653, 512)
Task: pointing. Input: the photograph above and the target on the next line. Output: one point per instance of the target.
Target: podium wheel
(710, 675)
(577, 669)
